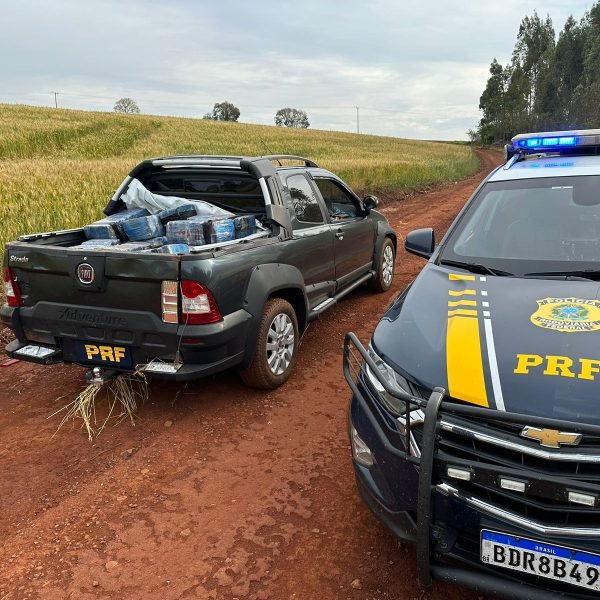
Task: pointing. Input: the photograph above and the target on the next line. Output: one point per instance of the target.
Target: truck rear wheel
(276, 347)
(382, 281)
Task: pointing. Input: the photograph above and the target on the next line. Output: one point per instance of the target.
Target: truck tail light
(198, 305)
(170, 301)
(11, 288)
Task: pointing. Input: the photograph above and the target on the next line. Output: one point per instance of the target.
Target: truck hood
(530, 346)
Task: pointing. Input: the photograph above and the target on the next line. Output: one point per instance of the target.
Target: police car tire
(259, 374)
(383, 279)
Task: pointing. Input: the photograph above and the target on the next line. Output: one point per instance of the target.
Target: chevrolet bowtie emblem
(551, 438)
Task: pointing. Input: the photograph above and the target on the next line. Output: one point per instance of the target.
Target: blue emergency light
(553, 142)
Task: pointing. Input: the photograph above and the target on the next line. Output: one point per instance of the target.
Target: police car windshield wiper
(591, 274)
(476, 268)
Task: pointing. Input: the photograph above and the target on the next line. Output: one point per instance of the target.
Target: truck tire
(276, 347)
(382, 281)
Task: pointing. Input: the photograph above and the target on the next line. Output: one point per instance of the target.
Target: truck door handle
(339, 234)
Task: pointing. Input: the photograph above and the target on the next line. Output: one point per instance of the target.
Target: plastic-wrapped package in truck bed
(189, 232)
(107, 228)
(142, 228)
(141, 246)
(97, 244)
(244, 226)
(220, 231)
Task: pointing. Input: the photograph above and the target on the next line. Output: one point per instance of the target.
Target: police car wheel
(384, 277)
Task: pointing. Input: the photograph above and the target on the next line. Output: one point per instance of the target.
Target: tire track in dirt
(219, 491)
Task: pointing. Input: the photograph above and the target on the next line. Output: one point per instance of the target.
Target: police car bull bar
(435, 408)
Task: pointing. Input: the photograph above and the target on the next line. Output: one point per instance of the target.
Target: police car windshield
(524, 226)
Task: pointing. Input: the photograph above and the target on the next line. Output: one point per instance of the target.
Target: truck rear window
(235, 191)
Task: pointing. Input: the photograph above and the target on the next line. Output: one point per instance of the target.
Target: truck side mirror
(420, 242)
(370, 202)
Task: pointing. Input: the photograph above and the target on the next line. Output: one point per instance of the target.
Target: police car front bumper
(416, 500)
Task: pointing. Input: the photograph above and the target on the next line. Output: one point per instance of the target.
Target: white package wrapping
(139, 196)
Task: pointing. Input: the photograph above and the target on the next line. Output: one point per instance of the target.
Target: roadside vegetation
(550, 84)
(58, 168)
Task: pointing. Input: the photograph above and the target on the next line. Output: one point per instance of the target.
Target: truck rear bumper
(202, 349)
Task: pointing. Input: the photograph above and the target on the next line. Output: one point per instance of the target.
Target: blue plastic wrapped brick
(217, 232)
(106, 229)
(142, 228)
(179, 213)
(141, 246)
(244, 226)
(189, 232)
(96, 245)
(99, 243)
(173, 249)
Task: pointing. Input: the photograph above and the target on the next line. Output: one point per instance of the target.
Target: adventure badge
(568, 315)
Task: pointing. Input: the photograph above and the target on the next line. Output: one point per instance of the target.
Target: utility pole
(357, 119)
(55, 99)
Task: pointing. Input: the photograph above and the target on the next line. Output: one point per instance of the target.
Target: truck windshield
(542, 226)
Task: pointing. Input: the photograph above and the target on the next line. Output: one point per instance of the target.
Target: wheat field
(59, 167)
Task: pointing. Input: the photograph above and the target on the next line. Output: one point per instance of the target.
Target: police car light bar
(553, 141)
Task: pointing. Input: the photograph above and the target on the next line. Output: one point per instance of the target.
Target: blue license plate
(575, 567)
(103, 354)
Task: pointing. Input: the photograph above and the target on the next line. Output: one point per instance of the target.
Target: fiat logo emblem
(86, 274)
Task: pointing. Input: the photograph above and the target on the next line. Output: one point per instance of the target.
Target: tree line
(226, 111)
(549, 84)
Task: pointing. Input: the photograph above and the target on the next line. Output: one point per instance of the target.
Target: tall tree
(492, 105)
(291, 117)
(568, 70)
(225, 111)
(533, 53)
(126, 105)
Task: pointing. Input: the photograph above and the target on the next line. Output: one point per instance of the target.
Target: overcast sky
(415, 68)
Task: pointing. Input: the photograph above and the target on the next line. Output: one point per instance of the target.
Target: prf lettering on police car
(106, 353)
(559, 366)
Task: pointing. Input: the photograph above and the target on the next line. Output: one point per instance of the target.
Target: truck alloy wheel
(276, 347)
(281, 341)
(388, 264)
(384, 276)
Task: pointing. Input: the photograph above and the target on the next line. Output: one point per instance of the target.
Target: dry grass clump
(124, 394)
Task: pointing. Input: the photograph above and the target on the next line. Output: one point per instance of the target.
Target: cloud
(414, 69)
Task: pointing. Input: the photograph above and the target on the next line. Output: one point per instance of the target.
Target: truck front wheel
(276, 347)
(384, 276)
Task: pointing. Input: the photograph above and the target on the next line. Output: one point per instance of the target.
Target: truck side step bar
(329, 302)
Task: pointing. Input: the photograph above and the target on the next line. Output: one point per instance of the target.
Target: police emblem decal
(567, 315)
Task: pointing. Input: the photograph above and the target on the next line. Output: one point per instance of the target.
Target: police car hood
(523, 345)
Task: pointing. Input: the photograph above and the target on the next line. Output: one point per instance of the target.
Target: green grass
(58, 168)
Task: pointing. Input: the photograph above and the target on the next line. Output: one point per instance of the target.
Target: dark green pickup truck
(238, 304)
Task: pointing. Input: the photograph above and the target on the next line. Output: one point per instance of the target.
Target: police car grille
(548, 481)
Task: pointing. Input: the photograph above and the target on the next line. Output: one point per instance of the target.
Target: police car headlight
(395, 382)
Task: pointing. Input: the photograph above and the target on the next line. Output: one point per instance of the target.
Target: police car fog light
(583, 499)
(361, 452)
(514, 485)
(458, 473)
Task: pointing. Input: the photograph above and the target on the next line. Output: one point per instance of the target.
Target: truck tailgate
(118, 301)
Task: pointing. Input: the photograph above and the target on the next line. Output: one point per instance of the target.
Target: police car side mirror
(370, 202)
(420, 242)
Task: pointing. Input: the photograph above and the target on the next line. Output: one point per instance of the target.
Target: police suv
(475, 415)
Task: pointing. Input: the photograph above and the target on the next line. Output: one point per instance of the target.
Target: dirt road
(218, 491)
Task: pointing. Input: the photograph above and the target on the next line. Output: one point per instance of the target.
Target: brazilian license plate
(558, 563)
(102, 354)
